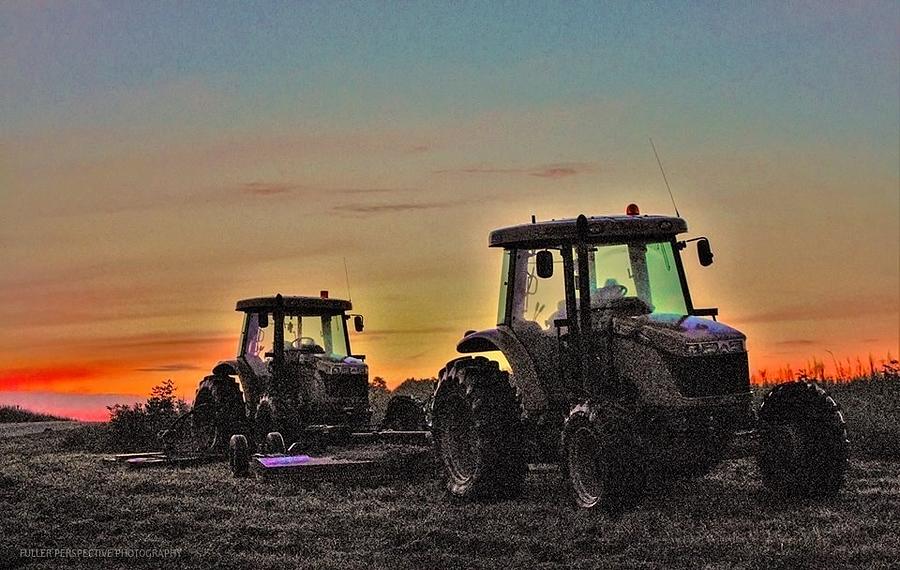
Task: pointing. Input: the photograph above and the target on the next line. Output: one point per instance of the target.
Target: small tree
(136, 426)
(421, 389)
(378, 397)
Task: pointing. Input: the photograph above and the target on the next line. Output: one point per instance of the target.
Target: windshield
(317, 335)
(325, 335)
(646, 271)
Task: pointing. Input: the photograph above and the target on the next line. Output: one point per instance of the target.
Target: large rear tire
(477, 431)
(804, 448)
(218, 413)
(602, 460)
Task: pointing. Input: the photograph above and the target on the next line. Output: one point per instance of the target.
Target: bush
(422, 389)
(379, 395)
(135, 427)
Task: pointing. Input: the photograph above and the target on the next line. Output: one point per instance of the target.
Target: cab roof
(313, 306)
(600, 229)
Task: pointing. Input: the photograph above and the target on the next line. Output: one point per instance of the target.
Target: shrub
(379, 394)
(421, 389)
(135, 427)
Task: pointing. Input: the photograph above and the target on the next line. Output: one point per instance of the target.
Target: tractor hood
(683, 335)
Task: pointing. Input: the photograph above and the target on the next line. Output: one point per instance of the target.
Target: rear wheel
(804, 448)
(602, 459)
(218, 413)
(477, 431)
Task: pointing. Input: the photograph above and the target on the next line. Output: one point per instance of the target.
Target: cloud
(169, 368)
(260, 188)
(388, 208)
(560, 170)
(267, 188)
(368, 190)
(797, 342)
(44, 377)
(552, 171)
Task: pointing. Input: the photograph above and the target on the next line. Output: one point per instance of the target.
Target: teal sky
(825, 68)
(159, 160)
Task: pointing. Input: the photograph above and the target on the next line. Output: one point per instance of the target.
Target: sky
(160, 160)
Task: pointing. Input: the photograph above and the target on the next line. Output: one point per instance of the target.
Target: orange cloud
(267, 188)
(41, 378)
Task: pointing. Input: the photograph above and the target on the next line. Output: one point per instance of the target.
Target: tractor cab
(305, 328)
(295, 364)
(582, 299)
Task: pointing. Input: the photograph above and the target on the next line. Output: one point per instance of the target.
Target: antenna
(666, 180)
(347, 277)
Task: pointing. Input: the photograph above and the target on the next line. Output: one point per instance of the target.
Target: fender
(226, 368)
(524, 376)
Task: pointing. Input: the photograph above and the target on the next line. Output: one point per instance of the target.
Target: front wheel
(477, 431)
(602, 459)
(804, 448)
(239, 456)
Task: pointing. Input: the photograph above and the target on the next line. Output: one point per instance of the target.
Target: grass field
(53, 497)
(71, 500)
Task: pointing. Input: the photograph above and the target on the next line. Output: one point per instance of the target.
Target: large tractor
(294, 373)
(615, 375)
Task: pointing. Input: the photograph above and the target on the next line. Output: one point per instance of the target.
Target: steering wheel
(622, 289)
(303, 342)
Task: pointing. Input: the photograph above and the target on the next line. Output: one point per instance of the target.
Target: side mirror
(704, 252)
(263, 320)
(544, 264)
(358, 323)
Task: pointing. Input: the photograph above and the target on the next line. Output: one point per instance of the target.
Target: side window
(668, 295)
(254, 341)
(539, 301)
(504, 287)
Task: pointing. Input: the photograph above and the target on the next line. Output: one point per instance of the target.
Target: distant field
(14, 414)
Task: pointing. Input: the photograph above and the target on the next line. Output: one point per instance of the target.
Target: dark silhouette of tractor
(616, 375)
(294, 379)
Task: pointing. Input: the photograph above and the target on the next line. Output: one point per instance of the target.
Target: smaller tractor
(294, 379)
(617, 376)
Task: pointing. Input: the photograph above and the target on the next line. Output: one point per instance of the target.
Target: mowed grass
(54, 499)
(872, 411)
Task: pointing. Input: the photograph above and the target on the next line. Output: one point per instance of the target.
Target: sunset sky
(159, 161)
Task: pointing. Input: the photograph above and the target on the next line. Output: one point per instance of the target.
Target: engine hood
(682, 335)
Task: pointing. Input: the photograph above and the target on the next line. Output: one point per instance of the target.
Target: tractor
(294, 378)
(617, 377)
